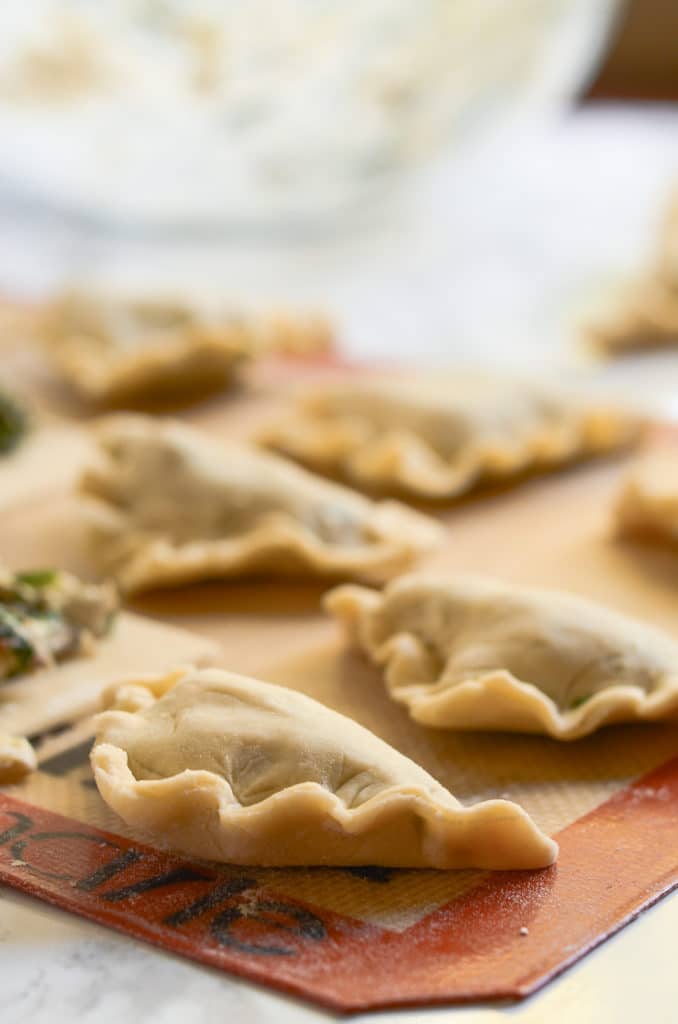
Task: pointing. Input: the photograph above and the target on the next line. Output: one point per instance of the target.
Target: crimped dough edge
(280, 547)
(401, 462)
(305, 824)
(497, 700)
(198, 355)
(281, 550)
(170, 364)
(646, 505)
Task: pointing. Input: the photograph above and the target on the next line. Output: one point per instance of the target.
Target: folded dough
(647, 503)
(236, 770)
(474, 653)
(437, 437)
(113, 350)
(646, 317)
(175, 506)
(17, 759)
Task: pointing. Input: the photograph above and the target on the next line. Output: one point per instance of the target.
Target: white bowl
(268, 113)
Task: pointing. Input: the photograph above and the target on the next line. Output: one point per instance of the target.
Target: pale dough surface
(438, 437)
(233, 769)
(115, 349)
(646, 315)
(174, 506)
(17, 758)
(647, 501)
(469, 652)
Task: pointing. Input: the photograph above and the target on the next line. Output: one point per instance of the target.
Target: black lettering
(19, 847)
(108, 871)
(23, 823)
(268, 912)
(211, 901)
(173, 877)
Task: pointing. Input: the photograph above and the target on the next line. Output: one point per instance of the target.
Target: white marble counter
(481, 261)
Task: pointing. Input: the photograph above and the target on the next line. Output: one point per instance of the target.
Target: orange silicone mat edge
(503, 939)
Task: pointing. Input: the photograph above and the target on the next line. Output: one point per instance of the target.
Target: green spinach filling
(46, 616)
(13, 423)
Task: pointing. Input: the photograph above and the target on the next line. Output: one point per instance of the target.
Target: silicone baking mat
(360, 939)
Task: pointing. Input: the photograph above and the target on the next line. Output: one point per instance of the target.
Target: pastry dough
(647, 504)
(647, 315)
(474, 653)
(175, 506)
(17, 759)
(118, 350)
(237, 770)
(647, 319)
(437, 437)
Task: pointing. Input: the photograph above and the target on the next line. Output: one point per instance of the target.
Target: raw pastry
(647, 316)
(474, 653)
(647, 504)
(647, 319)
(17, 759)
(175, 506)
(233, 769)
(437, 437)
(47, 616)
(114, 350)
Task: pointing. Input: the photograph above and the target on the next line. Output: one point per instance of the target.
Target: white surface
(495, 264)
(184, 110)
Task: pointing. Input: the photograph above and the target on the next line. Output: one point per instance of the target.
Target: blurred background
(450, 180)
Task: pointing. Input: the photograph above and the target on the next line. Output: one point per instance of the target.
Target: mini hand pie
(114, 350)
(647, 505)
(181, 507)
(646, 319)
(473, 653)
(437, 437)
(236, 770)
(647, 315)
(17, 759)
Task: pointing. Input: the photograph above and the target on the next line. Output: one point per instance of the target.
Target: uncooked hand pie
(647, 503)
(114, 350)
(474, 653)
(647, 319)
(647, 316)
(237, 770)
(17, 758)
(175, 506)
(437, 437)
